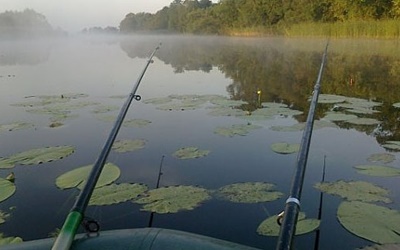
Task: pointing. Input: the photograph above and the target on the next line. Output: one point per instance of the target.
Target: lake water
(284, 70)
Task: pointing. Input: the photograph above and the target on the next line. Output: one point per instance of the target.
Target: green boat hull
(135, 239)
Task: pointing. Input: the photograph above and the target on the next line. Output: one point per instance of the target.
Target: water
(284, 70)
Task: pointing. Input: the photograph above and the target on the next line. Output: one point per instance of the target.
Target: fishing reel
(90, 225)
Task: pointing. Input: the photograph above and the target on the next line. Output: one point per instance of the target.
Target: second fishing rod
(292, 207)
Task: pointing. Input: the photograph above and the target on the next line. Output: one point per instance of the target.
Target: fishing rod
(321, 197)
(292, 207)
(77, 214)
(157, 186)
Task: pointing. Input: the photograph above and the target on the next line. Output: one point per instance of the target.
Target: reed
(386, 29)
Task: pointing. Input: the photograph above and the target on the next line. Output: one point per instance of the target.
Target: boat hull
(135, 239)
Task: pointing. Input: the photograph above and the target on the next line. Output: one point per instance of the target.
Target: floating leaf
(396, 105)
(327, 98)
(138, 123)
(363, 121)
(381, 171)
(104, 109)
(382, 157)
(372, 222)
(335, 116)
(285, 148)
(190, 153)
(382, 247)
(173, 199)
(9, 240)
(237, 129)
(15, 126)
(78, 176)
(227, 111)
(7, 189)
(116, 193)
(224, 102)
(3, 216)
(355, 191)
(270, 227)
(395, 145)
(37, 156)
(249, 192)
(318, 124)
(273, 105)
(158, 101)
(123, 146)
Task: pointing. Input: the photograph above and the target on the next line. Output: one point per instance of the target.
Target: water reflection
(24, 52)
(285, 71)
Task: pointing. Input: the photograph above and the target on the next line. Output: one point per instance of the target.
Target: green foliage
(116, 193)
(270, 227)
(337, 18)
(372, 222)
(23, 24)
(249, 192)
(77, 177)
(355, 191)
(7, 189)
(173, 199)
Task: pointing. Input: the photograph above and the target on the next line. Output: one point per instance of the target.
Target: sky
(75, 15)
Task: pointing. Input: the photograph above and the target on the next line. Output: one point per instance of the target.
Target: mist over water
(284, 70)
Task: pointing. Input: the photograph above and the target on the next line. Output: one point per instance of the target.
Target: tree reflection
(285, 71)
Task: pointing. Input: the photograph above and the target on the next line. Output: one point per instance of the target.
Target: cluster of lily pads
(221, 106)
(345, 109)
(58, 107)
(31, 157)
(357, 213)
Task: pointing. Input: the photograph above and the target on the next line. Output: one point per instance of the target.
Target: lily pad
(363, 121)
(382, 247)
(382, 157)
(318, 124)
(158, 101)
(77, 177)
(173, 199)
(15, 126)
(355, 191)
(37, 156)
(7, 189)
(227, 111)
(237, 129)
(273, 105)
(394, 145)
(372, 222)
(123, 146)
(396, 105)
(190, 153)
(327, 98)
(249, 192)
(3, 217)
(116, 193)
(138, 123)
(335, 116)
(285, 148)
(381, 171)
(270, 227)
(104, 109)
(9, 240)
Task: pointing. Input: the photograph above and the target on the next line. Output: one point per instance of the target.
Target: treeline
(25, 24)
(262, 16)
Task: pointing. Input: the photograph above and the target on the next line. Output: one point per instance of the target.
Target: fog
(74, 15)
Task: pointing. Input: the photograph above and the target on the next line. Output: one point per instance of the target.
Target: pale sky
(74, 15)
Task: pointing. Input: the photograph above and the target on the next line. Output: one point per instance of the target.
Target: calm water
(285, 72)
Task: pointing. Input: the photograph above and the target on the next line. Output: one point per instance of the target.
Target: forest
(338, 18)
(24, 24)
